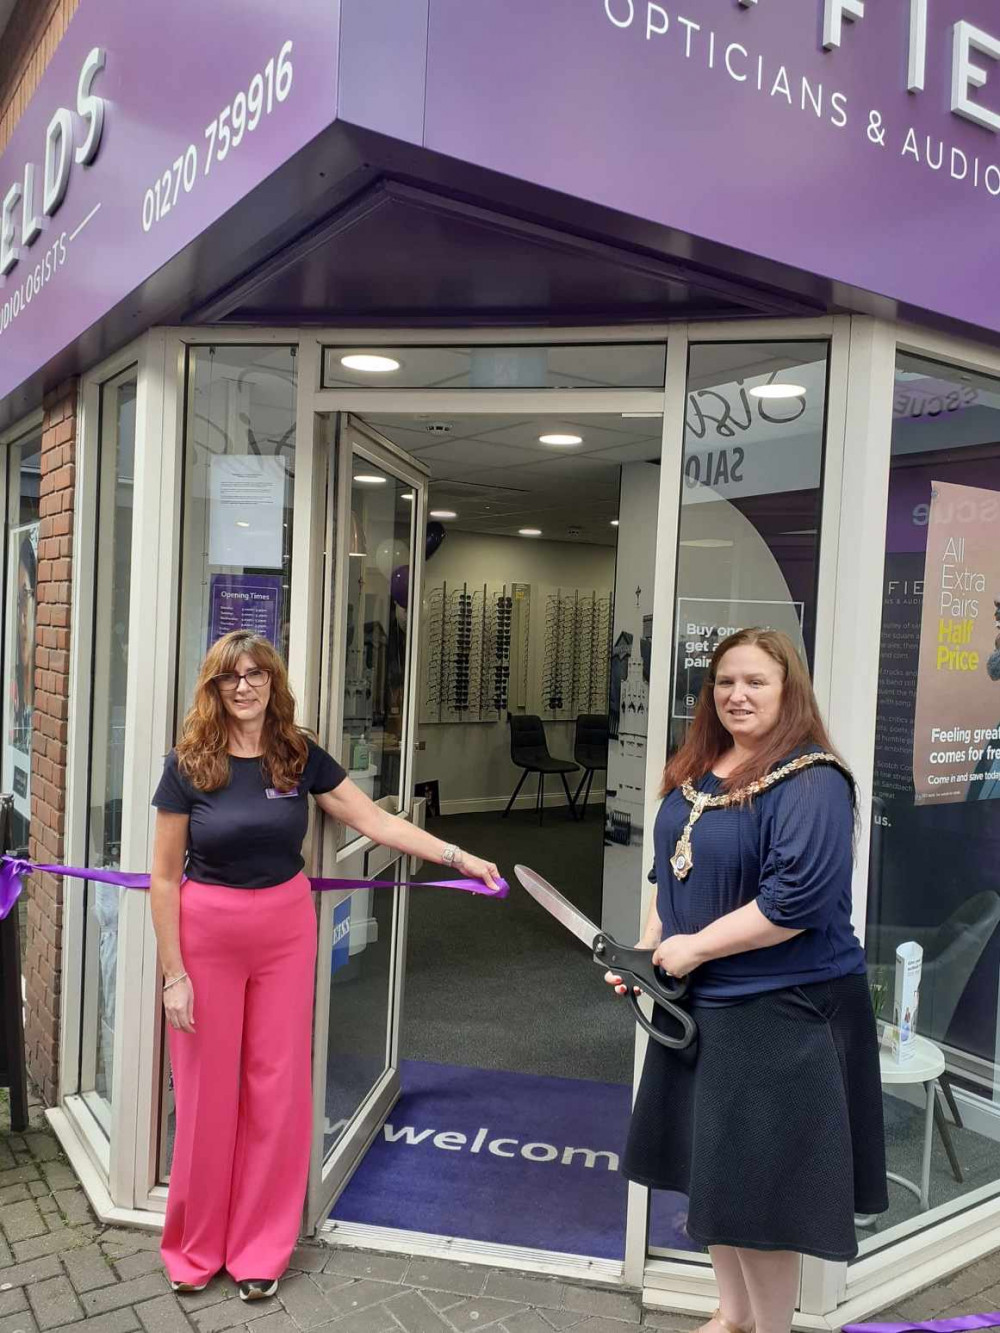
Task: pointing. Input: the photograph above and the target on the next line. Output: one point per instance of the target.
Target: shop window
(112, 585)
(239, 481)
(579, 366)
(23, 481)
(755, 416)
(935, 845)
(239, 478)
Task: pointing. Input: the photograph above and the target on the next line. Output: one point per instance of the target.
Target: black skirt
(771, 1123)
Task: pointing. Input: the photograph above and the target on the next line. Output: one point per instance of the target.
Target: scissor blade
(558, 906)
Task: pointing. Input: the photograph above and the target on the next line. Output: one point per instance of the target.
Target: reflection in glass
(750, 508)
(360, 995)
(935, 846)
(112, 588)
(378, 584)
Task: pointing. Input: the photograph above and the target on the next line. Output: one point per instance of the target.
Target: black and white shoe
(183, 1287)
(258, 1289)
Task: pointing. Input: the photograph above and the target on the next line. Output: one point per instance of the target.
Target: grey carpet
(501, 985)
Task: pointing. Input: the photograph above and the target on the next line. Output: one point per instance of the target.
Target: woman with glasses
(237, 940)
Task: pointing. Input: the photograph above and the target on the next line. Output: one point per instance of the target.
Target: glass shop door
(376, 513)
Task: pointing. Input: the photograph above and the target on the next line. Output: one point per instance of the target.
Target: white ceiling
(497, 476)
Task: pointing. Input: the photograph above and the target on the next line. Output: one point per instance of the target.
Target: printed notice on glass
(703, 623)
(247, 511)
(245, 601)
(956, 735)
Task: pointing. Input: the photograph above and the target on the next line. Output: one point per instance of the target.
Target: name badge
(273, 794)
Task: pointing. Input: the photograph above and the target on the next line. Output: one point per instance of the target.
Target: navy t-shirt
(246, 835)
(790, 850)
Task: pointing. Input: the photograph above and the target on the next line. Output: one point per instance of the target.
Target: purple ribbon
(13, 870)
(956, 1325)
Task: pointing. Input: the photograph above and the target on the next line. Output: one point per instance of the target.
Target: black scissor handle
(638, 964)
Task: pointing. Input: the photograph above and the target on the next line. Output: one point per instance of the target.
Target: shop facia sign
(968, 44)
(37, 195)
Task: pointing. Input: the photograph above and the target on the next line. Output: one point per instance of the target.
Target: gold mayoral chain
(700, 801)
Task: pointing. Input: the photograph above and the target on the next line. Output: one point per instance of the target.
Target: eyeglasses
(229, 681)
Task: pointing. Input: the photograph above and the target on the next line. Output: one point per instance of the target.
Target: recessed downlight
(559, 440)
(778, 391)
(529, 532)
(614, 523)
(242, 523)
(407, 495)
(368, 479)
(443, 513)
(369, 364)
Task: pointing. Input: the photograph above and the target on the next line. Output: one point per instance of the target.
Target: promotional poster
(956, 737)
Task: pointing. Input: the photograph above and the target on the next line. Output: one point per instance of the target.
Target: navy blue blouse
(790, 850)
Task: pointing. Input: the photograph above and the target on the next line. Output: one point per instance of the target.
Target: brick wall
(35, 30)
(43, 942)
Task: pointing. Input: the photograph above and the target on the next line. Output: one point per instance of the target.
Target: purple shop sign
(150, 123)
(730, 122)
(245, 601)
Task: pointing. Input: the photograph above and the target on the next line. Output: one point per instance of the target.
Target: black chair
(590, 750)
(529, 750)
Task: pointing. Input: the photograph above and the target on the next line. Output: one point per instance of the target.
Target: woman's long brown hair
(203, 749)
(799, 723)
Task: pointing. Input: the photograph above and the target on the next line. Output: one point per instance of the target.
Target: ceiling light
(559, 440)
(242, 523)
(778, 391)
(357, 555)
(369, 479)
(369, 364)
(614, 523)
(443, 513)
(407, 495)
(530, 532)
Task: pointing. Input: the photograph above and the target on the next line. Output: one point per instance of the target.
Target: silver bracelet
(173, 981)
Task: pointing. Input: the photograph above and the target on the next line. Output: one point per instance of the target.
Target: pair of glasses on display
(229, 681)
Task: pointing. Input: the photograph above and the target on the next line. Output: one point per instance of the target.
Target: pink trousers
(242, 1082)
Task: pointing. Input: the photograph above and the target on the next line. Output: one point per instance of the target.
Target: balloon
(399, 585)
(388, 554)
(435, 536)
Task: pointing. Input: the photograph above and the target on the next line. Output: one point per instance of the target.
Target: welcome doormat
(515, 1159)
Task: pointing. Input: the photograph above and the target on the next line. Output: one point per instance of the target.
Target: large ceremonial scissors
(636, 964)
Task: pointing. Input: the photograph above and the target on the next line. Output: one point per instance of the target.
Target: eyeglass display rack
(576, 652)
(467, 652)
(484, 656)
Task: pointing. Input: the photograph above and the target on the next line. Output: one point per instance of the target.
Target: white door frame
(360, 858)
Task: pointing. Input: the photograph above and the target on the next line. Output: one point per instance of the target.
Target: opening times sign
(245, 601)
(956, 744)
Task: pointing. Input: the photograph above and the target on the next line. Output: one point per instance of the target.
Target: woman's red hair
(203, 749)
(799, 722)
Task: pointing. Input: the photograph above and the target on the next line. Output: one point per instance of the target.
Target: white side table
(925, 1066)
